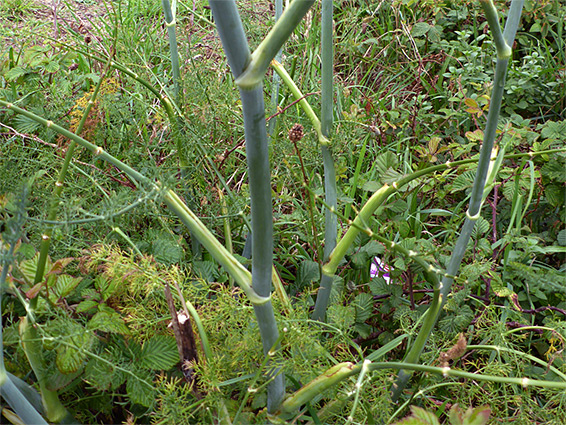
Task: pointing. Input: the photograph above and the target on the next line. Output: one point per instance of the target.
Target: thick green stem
(170, 23)
(476, 197)
(330, 191)
(237, 51)
(272, 43)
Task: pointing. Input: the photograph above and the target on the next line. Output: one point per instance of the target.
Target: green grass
(398, 85)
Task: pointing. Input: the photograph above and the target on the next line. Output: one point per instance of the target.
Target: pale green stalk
(303, 103)
(330, 192)
(253, 72)
(170, 22)
(503, 43)
(342, 371)
(235, 45)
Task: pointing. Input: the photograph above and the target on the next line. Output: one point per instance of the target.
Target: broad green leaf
(166, 249)
(419, 416)
(159, 353)
(420, 29)
(309, 271)
(140, 389)
(15, 73)
(341, 316)
(371, 186)
(364, 307)
(65, 284)
(86, 305)
(206, 270)
(52, 66)
(103, 375)
(72, 354)
(108, 322)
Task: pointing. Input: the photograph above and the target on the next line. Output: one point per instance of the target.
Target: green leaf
(378, 286)
(107, 321)
(103, 375)
(166, 249)
(15, 73)
(86, 305)
(52, 66)
(29, 267)
(554, 130)
(72, 355)
(341, 316)
(477, 416)
(206, 270)
(308, 272)
(561, 237)
(554, 170)
(106, 286)
(419, 417)
(364, 307)
(420, 29)
(65, 284)
(480, 228)
(140, 389)
(554, 195)
(371, 186)
(159, 353)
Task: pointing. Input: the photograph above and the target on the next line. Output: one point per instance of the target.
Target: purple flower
(379, 268)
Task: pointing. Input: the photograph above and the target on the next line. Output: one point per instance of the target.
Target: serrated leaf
(341, 316)
(103, 375)
(107, 287)
(65, 284)
(554, 130)
(554, 170)
(555, 195)
(378, 286)
(474, 136)
(14, 73)
(463, 181)
(52, 66)
(308, 272)
(72, 355)
(140, 389)
(86, 305)
(166, 249)
(159, 353)
(364, 307)
(561, 237)
(60, 264)
(419, 416)
(108, 322)
(385, 161)
(206, 270)
(480, 228)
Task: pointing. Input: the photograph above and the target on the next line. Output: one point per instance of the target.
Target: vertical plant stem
(503, 45)
(170, 23)
(236, 47)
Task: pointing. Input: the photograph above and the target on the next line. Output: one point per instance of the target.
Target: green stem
(476, 197)
(235, 45)
(253, 74)
(330, 191)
